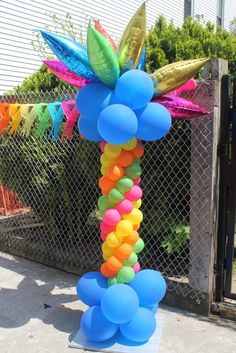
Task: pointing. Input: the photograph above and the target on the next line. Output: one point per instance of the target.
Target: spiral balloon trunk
(119, 208)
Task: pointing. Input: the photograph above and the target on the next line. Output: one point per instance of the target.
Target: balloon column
(119, 107)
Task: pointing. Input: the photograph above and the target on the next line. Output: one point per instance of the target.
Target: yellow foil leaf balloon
(15, 113)
(174, 75)
(132, 41)
(102, 57)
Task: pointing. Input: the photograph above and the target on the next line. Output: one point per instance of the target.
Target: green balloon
(102, 57)
(138, 246)
(132, 260)
(104, 203)
(115, 196)
(101, 214)
(137, 161)
(125, 184)
(133, 171)
(111, 281)
(126, 274)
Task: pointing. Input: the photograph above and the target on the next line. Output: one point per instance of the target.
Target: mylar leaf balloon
(65, 74)
(100, 29)
(132, 40)
(181, 108)
(102, 58)
(141, 63)
(70, 53)
(174, 75)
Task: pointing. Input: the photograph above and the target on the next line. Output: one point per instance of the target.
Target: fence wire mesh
(58, 185)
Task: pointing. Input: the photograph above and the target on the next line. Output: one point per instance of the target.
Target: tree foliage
(167, 43)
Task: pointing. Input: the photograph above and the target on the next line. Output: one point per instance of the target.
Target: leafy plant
(177, 239)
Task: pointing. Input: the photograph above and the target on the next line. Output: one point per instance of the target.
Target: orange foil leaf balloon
(132, 41)
(172, 76)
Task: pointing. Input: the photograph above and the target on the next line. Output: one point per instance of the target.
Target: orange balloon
(124, 251)
(106, 272)
(136, 226)
(138, 151)
(114, 264)
(132, 238)
(125, 159)
(115, 172)
(106, 184)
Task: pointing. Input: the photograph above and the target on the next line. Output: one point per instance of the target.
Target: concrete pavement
(40, 313)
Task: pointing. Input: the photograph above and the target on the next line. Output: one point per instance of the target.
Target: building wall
(20, 17)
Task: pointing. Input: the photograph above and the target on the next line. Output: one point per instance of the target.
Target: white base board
(119, 344)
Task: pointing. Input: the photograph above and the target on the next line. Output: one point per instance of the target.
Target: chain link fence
(58, 185)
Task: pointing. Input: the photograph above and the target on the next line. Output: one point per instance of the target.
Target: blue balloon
(141, 327)
(117, 124)
(154, 122)
(134, 89)
(88, 128)
(119, 303)
(150, 287)
(153, 308)
(92, 99)
(96, 327)
(70, 53)
(91, 287)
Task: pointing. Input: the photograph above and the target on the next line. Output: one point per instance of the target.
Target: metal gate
(226, 250)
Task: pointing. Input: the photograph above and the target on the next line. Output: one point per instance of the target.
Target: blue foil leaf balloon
(141, 63)
(57, 114)
(70, 53)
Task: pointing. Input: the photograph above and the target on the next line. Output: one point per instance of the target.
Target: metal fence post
(205, 190)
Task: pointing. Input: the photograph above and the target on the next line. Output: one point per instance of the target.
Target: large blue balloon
(154, 122)
(141, 327)
(117, 124)
(134, 89)
(91, 287)
(96, 327)
(120, 303)
(70, 53)
(88, 128)
(92, 99)
(150, 287)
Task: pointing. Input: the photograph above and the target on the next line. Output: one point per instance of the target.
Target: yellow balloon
(135, 216)
(107, 250)
(106, 161)
(138, 203)
(124, 228)
(113, 151)
(103, 170)
(105, 257)
(172, 76)
(130, 145)
(114, 239)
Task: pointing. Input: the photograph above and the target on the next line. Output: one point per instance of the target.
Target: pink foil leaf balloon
(181, 108)
(65, 74)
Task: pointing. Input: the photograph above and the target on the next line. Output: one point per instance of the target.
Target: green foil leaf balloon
(132, 41)
(102, 57)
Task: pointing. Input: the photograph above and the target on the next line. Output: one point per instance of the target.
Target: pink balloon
(65, 74)
(111, 216)
(125, 206)
(103, 236)
(134, 194)
(137, 181)
(106, 228)
(103, 145)
(188, 86)
(136, 267)
(181, 108)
